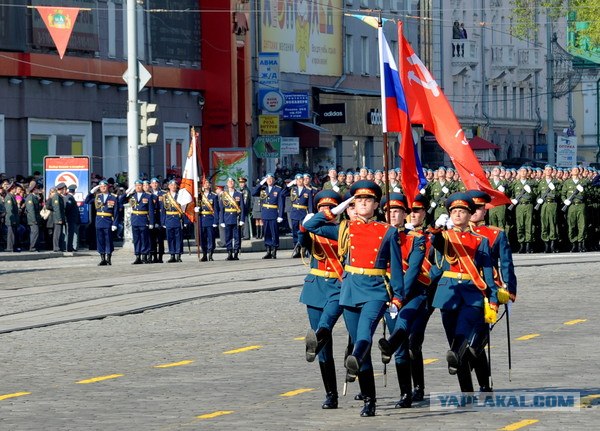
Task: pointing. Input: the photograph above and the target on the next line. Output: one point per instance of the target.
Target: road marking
(174, 364)
(519, 425)
(99, 379)
(215, 414)
(296, 392)
(528, 337)
(14, 395)
(575, 322)
(243, 349)
(429, 361)
(300, 338)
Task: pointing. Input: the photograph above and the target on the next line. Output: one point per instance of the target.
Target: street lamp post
(132, 93)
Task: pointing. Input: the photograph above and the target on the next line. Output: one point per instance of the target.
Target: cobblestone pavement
(227, 353)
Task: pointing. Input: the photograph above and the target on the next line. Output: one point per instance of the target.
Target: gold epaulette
(414, 233)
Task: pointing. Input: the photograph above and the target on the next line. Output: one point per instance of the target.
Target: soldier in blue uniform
(209, 214)
(302, 203)
(321, 294)
(464, 296)
(272, 205)
(107, 208)
(158, 234)
(231, 217)
(413, 300)
(172, 218)
(368, 247)
(142, 221)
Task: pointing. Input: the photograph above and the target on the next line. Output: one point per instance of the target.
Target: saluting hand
(342, 207)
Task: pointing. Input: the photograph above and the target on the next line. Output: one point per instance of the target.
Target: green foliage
(528, 15)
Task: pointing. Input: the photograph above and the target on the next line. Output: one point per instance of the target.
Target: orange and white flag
(188, 192)
(59, 22)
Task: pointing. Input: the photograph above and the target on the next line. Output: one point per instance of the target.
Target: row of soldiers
(367, 270)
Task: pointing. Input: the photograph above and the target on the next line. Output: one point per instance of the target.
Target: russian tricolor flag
(395, 119)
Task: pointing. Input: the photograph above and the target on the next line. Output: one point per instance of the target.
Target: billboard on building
(175, 30)
(306, 34)
(229, 162)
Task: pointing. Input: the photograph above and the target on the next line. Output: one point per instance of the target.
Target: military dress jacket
(232, 208)
(301, 200)
(32, 209)
(107, 209)
(272, 202)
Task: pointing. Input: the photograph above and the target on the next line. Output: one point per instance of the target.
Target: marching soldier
(523, 196)
(142, 221)
(464, 296)
(413, 300)
(157, 235)
(232, 217)
(172, 218)
(548, 193)
(302, 203)
(369, 248)
(321, 295)
(34, 219)
(438, 193)
(574, 198)
(272, 205)
(107, 209)
(497, 214)
(209, 211)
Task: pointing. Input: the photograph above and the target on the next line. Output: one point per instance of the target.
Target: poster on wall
(229, 162)
(306, 34)
(71, 170)
(566, 151)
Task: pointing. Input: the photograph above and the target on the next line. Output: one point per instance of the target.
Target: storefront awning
(478, 143)
(313, 136)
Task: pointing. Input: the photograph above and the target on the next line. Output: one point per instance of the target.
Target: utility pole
(549, 90)
(133, 118)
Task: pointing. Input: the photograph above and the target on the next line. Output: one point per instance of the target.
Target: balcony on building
(504, 57)
(470, 56)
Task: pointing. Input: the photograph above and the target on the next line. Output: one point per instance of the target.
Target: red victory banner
(60, 22)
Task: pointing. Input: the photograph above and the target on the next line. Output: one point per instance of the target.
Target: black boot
(529, 247)
(145, 258)
(547, 247)
(482, 371)
(522, 248)
(268, 255)
(404, 380)
(172, 259)
(553, 247)
(454, 356)
(274, 253)
(153, 258)
(204, 258)
(330, 383)
(354, 361)
(102, 260)
(235, 255)
(582, 248)
(418, 375)
(229, 255)
(296, 252)
(389, 346)
(210, 256)
(137, 260)
(574, 247)
(109, 258)
(315, 341)
(178, 258)
(464, 377)
(366, 381)
(160, 258)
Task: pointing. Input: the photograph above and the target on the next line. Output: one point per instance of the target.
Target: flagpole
(384, 120)
(198, 224)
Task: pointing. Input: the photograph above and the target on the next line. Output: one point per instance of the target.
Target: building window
(349, 57)
(364, 45)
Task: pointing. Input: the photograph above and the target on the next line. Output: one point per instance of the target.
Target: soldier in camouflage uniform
(548, 192)
(523, 196)
(574, 199)
(438, 193)
(497, 214)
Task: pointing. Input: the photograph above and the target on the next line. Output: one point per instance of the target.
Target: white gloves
(342, 207)
(445, 190)
(222, 224)
(449, 224)
(336, 189)
(514, 202)
(113, 228)
(130, 190)
(279, 219)
(567, 202)
(442, 220)
(291, 184)
(409, 226)
(196, 209)
(422, 191)
(580, 188)
(527, 188)
(164, 226)
(307, 217)
(151, 226)
(241, 223)
(214, 225)
(433, 204)
(396, 189)
(156, 225)
(540, 201)
(551, 186)
(94, 189)
(501, 189)
(393, 310)
(264, 180)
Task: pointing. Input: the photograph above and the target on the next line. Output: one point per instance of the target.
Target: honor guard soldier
(34, 219)
(464, 297)
(574, 198)
(369, 248)
(107, 208)
(504, 277)
(209, 211)
(152, 234)
(413, 300)
(157, 235)
(523, 196)
(321, 295)
(231, 218)
(173, 218)
(272, 206)
(142, 221)
(302, 203)
(548, 195)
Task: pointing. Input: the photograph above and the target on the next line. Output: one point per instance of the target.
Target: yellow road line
(296, 392)
(13, 395)
(575, 322)
(300, 338)
(528, 337)
(99, 379)
(519, 425)
(215, 414)
(174, 364)
(243, 349)
(429, 361)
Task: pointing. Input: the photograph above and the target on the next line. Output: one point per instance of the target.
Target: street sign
(144, 76)
(267, 147)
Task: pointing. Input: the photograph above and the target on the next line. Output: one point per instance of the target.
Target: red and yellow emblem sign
(60, 23)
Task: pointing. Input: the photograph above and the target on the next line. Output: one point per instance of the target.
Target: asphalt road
(220, 346)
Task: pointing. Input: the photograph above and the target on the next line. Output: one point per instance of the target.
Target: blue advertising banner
(71, 170)
(295, 106)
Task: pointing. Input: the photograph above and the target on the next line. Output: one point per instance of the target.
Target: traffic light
(147, 120)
